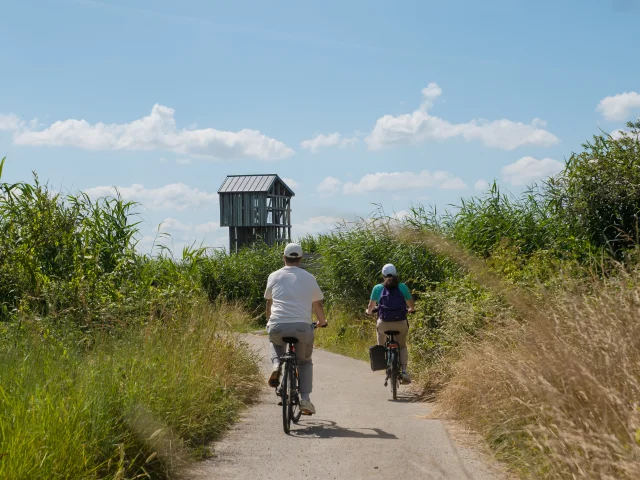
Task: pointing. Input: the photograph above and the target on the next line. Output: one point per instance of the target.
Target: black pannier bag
(378, 357)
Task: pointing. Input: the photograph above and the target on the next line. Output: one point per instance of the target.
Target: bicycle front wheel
(285, 394)
(393, 377)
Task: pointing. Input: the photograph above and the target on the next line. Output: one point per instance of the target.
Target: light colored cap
(293, 250)
(389, 269)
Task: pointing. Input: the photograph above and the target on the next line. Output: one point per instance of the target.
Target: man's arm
(268, 295)
(269, 303)
(318, 309)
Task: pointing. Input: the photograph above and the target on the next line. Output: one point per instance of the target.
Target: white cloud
(401, 214)
(348, 142)
(173, 225)
(329, 186)
(157, 131)
(10, 122)
(481, 185)
(175, 196)
(291, 182)
(146, 243)
(618, 134)
(618, 107)
(209, 227)
(402, 181)
(208, 234)
(183, 161)
(529, 169)
(314, 226)
(430, 93)
(331, 140)
(420, 125)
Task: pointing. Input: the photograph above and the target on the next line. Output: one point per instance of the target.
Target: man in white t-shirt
(292, 295)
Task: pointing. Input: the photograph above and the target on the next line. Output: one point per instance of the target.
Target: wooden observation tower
(253, 207)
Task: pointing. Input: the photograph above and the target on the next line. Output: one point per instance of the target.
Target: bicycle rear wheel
(393, 376)
(295, 403)
(285, 394)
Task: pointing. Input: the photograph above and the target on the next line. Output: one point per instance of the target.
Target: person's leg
(403, 328)
(278, 348)
(276, 352)
(380, 329)
(304, 350)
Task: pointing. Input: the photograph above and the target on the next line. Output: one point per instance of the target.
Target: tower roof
(251, 183)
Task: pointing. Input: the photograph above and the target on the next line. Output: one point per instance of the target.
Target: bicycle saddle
(391, 332)
(293, 340)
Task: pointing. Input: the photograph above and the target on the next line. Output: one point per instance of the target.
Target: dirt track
(358, 433)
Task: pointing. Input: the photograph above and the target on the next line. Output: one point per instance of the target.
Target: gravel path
(358, 433)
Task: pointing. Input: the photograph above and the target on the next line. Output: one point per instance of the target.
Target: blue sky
(357, 102)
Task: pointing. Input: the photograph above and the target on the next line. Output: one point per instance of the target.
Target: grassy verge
(347, 335)
(558, 396)
(139, 406)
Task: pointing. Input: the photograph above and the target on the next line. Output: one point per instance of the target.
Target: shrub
(349, 262)
(240, 276)
(598, 193)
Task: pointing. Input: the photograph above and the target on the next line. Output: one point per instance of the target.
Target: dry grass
(557, 391)
(559, 397)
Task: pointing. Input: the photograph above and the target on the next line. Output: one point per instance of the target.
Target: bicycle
(392, 354)
(394, 369)
(289, 390)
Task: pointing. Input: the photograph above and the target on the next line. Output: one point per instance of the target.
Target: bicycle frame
(290, 382)
(394, 370)
(289, 389)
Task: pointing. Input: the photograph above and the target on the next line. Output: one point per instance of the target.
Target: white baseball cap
(293, 250)
(389, 269)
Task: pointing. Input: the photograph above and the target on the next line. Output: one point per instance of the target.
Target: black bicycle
(392, 354)
(394, 369)
(289, 392)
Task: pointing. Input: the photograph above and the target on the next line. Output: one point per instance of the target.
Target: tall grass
(348, 262)
(112, 364)
(138, 406)
(347, 334)
(558, 395)
(241, 276)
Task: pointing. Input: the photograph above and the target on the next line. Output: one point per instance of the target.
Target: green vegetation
(112, 364)
(241, 276)
(144, 404)
(116, 364)
(526, 323)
